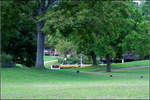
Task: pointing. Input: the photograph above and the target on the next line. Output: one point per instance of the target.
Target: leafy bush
(60, 60)
(7, 60)
(72, 60)
(6, 57)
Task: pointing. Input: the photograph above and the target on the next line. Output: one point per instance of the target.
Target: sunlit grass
(49, 58)
(31, 83)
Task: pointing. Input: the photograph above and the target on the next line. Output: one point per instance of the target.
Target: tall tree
(35, 9)
(67, 18)
(99, 27)
(139, 38)
(114, 23)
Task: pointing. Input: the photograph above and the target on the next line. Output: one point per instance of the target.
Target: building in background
(51, 52)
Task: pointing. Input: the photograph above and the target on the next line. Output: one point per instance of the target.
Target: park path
(49, 61)
(120, 69)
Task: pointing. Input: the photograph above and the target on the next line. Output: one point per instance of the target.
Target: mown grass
(31, 83)
(113, 66)
(49, 58)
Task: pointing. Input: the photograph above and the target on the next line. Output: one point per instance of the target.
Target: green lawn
(31, 83)
(113, 66)
(49, 58)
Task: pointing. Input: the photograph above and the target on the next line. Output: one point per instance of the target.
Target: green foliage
(60, 60)
(18, 34)
(6, 57)
(145, 9)
(7, 60)
(103, 28)
(73, 60)
(65, 47)
(97, 28)
(138, 37)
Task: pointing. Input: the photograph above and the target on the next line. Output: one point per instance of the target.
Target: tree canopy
(18, 35)
(105, 29)
(100, 28)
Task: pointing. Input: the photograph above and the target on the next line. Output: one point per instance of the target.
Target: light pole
(122, 60)
(64, 60)
(81, 60)
(54, 52)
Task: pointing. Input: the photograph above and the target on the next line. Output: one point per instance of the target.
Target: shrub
(6, 57)
(7, 60)
(60, 60)
(73, 60)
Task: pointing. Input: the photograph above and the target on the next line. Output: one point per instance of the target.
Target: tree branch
(25, 12)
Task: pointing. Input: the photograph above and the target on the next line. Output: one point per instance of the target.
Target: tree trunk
(40, 47)
(108, 69)
(93, 58)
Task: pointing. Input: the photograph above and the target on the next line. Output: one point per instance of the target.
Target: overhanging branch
(25, 12)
